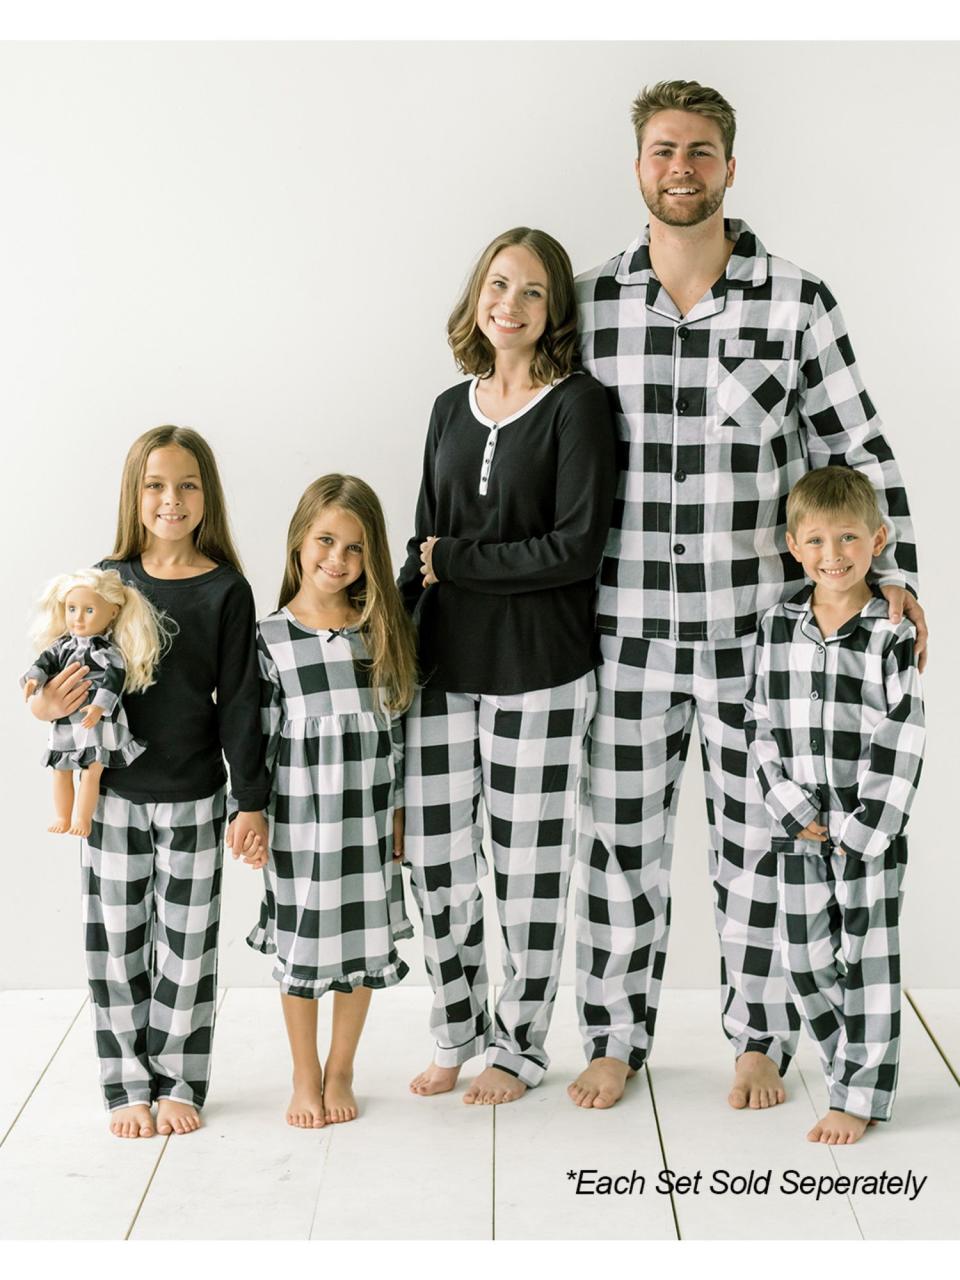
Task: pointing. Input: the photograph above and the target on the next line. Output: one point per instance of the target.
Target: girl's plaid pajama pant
(839, 930)
(650, 692)
(151, 908)
(522, 753)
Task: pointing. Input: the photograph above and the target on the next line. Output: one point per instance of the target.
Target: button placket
(488, 458)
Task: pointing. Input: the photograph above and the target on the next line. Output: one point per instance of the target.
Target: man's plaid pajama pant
(649, 693)
(151, 908)
(522, 753)
(839, 931)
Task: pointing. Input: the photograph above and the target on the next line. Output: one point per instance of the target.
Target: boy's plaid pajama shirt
(719, 412)
(836, 734)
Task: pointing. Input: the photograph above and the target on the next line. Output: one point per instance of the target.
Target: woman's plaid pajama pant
(839, 930)
(151, 908)
(522, 753)
(650, 691)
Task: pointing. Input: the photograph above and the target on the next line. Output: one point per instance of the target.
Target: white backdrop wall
(263, 241)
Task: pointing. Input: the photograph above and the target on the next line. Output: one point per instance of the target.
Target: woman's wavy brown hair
(374, 594)
(556, 351)
(212, 535)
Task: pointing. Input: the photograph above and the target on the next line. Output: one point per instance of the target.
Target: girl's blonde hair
(556, 351)
(140, 633)
(212, 536)
(374, 594)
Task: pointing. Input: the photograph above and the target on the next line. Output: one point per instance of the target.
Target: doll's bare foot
(79, 827)
(59, 826)
(339, 1103)
(305, 1110)
(176, 1117)
(434, 1080)
(837, 1128)
(132, 1122)
(601, 1084)
(493, 1086)
(756, 1083)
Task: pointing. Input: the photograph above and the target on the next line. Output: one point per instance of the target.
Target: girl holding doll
(337, 669)
(152, 860)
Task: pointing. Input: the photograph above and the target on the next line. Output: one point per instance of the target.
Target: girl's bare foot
(838, 1129)
(58, 827)
(756, 1083)
(176, 1117)
(434, 1080)
(305, 1110)
(132, 1122)
(339, 1103)
(601, 1084)
(493, 1086)
(79, 828)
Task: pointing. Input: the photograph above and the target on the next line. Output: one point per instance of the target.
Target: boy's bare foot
(493, 1086)
(601, 1084)
(176, 1117)
(58, 827)
(838, 1128)
(132, 1122)
(339, 1103)
(756, 1083)
(79, 828)
(434, 1080)
(305, 1110)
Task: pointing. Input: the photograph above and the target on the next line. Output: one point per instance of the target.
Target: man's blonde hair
(685, 95)
(833, 491)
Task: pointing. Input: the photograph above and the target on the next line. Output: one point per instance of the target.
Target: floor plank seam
(46, 1068)
(663, 1150)
(813, 1104)
(936, 1043)
(146, 1189)
(493, 1174)
(327, 1144)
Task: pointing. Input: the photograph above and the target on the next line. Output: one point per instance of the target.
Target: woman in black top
(516, 498)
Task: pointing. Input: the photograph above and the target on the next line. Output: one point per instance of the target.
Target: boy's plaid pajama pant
(151, 908)
(650, 691)
(839, 931)
(522, 753)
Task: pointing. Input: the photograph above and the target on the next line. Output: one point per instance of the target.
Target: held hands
(91, 718)
(902, 602)
(397, 834)
(61, 696)
(426, 561)
(248, 838)
(812, 831)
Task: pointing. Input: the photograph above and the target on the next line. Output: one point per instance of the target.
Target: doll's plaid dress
(333, 902)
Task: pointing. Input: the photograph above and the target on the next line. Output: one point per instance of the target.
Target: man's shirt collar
(748, 266)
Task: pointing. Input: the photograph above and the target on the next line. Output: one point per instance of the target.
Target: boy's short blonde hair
(833, 491)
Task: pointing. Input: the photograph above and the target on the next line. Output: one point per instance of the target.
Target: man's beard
(690, 213)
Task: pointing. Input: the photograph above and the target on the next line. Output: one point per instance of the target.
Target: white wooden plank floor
(418, 1168)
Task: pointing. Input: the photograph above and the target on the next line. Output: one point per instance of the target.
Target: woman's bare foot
(493, 1086)
(132, 1122)
(756, 1083)
(176, 1117)
(434, 1080)
(601, 1084)
(305, 1110)
(838, 1129)
(58, 827)
(339, 1103)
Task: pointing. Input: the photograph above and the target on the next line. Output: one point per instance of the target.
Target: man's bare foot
(434, 1080)
(601, 1084)
(176, 1117)
(305, 1110)
(756, 1083)
(79, 828)
(339, 1103)
(838, 1129)
(493, 1086)
(58, 826)
(132, 1122)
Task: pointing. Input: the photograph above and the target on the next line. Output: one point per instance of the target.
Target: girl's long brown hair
(374, 594)
(212, 536)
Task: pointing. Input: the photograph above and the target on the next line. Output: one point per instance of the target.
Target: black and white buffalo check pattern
(719, 412)
(522, 754)
(333, 900)
(151, 907)
(650, 694)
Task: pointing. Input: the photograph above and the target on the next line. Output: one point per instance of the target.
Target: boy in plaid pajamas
(731, 374)
(835, 725)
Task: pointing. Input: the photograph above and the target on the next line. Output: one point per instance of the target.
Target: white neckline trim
(489, 422)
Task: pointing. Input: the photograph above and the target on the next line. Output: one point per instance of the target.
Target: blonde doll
(92, 618)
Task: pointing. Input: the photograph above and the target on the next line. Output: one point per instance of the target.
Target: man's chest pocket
(753, 381)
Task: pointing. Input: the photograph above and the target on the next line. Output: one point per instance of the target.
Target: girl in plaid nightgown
(337, 669)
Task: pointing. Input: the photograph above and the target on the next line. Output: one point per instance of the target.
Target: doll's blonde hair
(140, 633)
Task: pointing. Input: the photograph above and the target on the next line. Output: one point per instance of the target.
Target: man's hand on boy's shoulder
(902, 603)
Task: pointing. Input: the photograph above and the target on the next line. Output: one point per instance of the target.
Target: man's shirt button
(681, 405)
(683, 332)
(679, 548)
(815, 695)
(680, 475)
